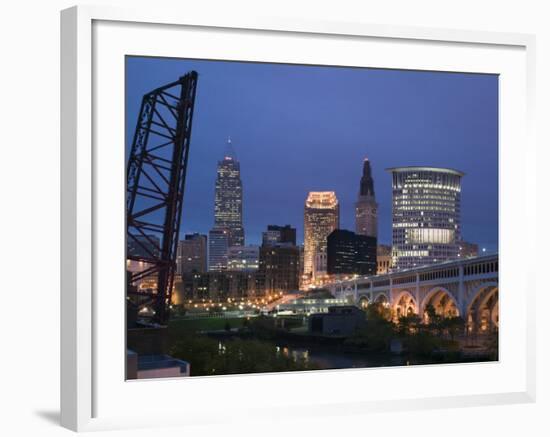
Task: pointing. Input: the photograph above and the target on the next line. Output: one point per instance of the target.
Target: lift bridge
(156, 168)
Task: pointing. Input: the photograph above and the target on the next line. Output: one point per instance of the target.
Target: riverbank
(227, 345)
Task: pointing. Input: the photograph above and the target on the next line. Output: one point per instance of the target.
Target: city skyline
(308, 146)
(262, 195)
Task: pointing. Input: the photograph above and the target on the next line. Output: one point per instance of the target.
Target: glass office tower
(228, 202)
(425, 215)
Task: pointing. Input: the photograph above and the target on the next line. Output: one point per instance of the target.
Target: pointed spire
(229, 152)
(367, 184)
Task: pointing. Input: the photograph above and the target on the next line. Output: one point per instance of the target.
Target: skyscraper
(366, 208)
(218, 244)
(228, 202)
(191, 254)
(425, 215)
(350, 253)
(321, 217)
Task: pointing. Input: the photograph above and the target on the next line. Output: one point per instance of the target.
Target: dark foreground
(257, 345)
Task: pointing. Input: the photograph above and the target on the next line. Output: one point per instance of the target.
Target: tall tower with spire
(228, 202)
(366, 208)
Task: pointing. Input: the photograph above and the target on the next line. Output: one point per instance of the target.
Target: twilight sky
(297, 129)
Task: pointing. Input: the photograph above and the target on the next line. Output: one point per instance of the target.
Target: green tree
(408, 325)
(378, 311)
(435, 321)
(210, 357)
(378, 331)
(454, 326)
(422, 344)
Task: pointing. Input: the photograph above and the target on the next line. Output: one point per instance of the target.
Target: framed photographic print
(256, 209)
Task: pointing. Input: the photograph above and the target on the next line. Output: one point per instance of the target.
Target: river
(326, 357)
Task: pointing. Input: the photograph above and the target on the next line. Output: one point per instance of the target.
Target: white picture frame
(88, 392)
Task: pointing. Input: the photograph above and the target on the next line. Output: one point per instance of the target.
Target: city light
(305, 288)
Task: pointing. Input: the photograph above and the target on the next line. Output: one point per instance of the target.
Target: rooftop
(434, 169)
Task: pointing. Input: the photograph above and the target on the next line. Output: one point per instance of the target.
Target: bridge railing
(479, 266)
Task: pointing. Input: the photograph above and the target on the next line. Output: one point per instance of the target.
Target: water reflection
(325, 357)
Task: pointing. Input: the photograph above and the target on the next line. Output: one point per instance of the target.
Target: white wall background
(29, 211)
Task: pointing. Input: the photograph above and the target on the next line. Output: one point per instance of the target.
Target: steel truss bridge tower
(156, 169)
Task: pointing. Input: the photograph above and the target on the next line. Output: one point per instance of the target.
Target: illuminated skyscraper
(228, 202)
(218, 245)
(425, 215)
(366, 208)
(321, 217)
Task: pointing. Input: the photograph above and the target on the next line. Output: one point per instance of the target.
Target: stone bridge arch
(363, 301)
(482, 313)
(443, 301)
(404, 304)
(381, 297)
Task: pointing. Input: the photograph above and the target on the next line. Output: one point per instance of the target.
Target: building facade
(279, 235)
(243, 258)
(366, 208)
(350, 254)
(321, 217)
(279, 269)
(218, 244)
(468, 250)
(383, 259)
(228, 202)
(287, 234)
(340, 320)
(426, 226)
(191, 254)
(218, 286)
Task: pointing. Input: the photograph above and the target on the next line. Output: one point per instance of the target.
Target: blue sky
(303, 128)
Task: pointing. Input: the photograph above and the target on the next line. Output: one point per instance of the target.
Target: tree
(422, 344)
(377, 311)
(378, 332)
(408, 325)
(454, 326)
(435, 321)
(211, 357)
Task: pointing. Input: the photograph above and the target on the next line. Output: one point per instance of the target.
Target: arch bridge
(467, 288)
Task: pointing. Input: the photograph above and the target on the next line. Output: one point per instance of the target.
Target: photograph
(293, 217)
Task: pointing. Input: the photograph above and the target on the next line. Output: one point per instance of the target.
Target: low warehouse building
(340, 320)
